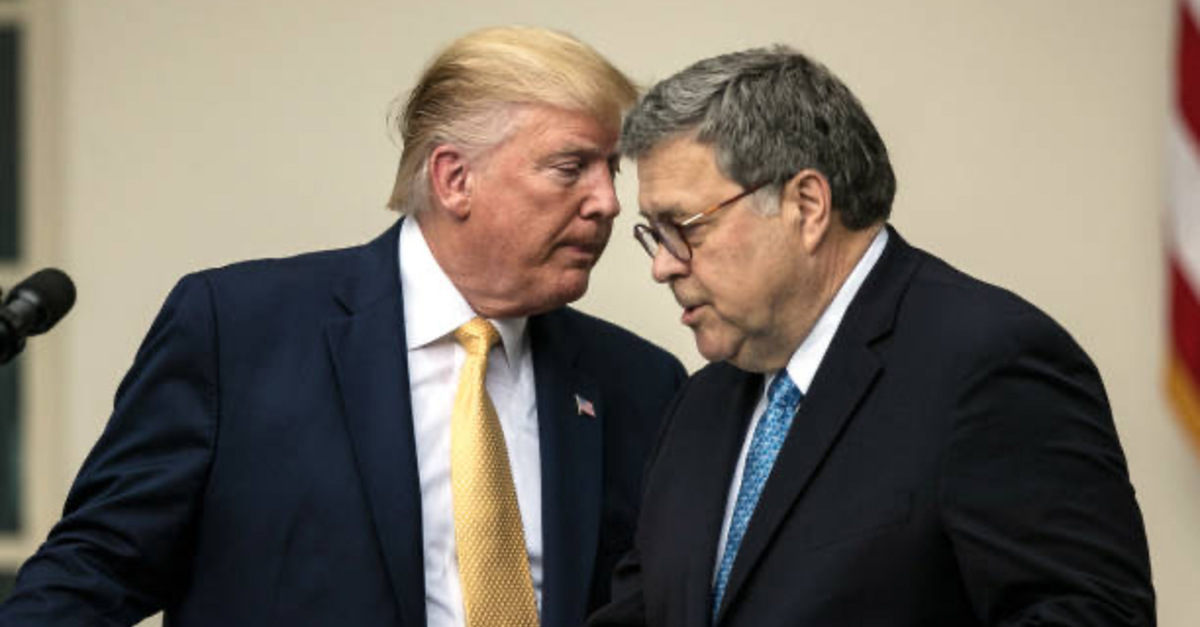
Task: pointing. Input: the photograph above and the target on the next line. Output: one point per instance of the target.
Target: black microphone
(32, 307)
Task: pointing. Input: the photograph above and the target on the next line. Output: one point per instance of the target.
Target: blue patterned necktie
(783, 398)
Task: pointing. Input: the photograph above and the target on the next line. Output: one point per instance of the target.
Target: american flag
(1183, 223)
(584, 406)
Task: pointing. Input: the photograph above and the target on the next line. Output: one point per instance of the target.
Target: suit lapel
(571, 464)
(843, 379)
(369, 352)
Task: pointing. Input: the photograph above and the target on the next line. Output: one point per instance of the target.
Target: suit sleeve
(122, 548)
(1035, 493)
(627, 607)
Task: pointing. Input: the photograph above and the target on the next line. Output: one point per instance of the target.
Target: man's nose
(602, 201)
(666, 266)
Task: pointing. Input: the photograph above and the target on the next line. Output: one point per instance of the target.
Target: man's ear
(450, 180)
(808, 200)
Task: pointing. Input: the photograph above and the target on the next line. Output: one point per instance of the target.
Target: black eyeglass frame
(671, 235)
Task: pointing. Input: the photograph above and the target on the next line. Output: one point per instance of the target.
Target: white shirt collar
(807, 358)
(433, 307)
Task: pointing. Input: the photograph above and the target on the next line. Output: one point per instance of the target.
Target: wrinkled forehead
(535, 133)
(680, 177)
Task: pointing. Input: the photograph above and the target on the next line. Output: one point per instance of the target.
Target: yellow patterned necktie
(492, 563)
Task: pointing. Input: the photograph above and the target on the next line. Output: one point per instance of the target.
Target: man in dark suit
(880, 439)
(321, 440)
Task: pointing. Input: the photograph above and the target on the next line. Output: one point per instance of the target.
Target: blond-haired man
(412, 432)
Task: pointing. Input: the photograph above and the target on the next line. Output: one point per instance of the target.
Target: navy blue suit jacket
(259, 466)
(954, 463)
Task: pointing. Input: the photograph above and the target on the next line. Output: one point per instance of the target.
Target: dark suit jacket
(953, 463)
(259, 467)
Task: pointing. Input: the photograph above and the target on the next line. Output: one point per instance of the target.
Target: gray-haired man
(881, 439)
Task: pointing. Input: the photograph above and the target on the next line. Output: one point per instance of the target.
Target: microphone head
(53, 293)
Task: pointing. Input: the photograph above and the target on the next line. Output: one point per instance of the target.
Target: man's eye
(691, 231)
(569, 170)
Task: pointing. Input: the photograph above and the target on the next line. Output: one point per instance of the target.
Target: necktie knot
(477, 336)
(783, 392)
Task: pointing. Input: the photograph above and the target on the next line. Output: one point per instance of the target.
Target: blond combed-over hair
(470, 90)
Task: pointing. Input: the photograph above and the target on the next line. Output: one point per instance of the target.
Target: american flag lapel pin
(584, 407)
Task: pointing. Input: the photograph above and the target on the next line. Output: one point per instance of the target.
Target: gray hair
(769, 113)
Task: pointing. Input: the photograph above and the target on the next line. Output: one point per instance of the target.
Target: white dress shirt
(433, 309)
(802, 368)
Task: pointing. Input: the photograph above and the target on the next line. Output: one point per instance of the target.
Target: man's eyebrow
(671, 212)
(581, 152)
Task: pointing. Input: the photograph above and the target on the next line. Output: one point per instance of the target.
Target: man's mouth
(585, 248)
(690, 313)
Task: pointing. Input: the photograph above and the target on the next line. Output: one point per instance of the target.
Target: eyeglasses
(672, 236)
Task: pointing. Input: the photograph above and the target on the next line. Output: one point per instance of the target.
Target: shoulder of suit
(937, 280)
(605, 336)
(959, 304)
(273, 287)
(302, 272)
(283, 266)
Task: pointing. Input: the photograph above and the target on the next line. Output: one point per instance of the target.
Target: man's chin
(710, 349)
(574, 285)
(570, 287)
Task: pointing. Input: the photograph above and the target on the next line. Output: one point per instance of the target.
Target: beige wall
(1027, 137)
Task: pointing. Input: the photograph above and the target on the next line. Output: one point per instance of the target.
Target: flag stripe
(1183, 197)
(1183, 222)
(1182, 391)
(1185, 322)
(1187, 68)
